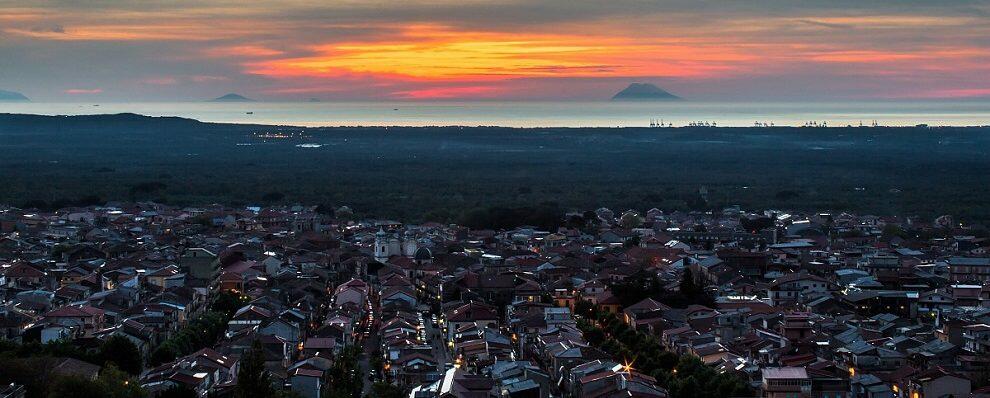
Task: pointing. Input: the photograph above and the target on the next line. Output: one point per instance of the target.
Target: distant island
(12, 96)
(232, 97)
(644, 92)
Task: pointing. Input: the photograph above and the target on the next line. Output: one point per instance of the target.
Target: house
(397, 294)
(619, 382)
(354, 291)
(521, 379)
(307, 381)
(317, 346)
(468, 314)
(160, 277)
(752, 264)
(607, 302)
(977, 338)
(641, 313)
(792, 289)
(199, 263)
(200, 371)
(785, 382)
(23, 275)
(935, 301)
(937, 382)
(969, 269)
(285, 329)
(457, 383)
(247, 317)
(83, 319)
(966, 295)
(869, 386)
(414, 368)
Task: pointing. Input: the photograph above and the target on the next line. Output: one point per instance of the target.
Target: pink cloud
(83, 91)
(959, 93)
(161, 81)
(207, 79)
(449, 92)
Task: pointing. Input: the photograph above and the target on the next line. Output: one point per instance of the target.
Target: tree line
(684, 376)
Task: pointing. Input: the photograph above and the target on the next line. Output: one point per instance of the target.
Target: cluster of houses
(802, 305)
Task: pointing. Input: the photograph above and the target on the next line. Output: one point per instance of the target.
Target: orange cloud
(375, 48)
(430, 52)
(449, 92)
(245, 51)
(863, 56)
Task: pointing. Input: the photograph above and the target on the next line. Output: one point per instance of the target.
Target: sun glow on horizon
(431, 52)
(430, 49)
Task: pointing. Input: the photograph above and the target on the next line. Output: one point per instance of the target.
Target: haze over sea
(541, 114)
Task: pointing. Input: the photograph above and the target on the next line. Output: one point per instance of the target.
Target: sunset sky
(500, 49)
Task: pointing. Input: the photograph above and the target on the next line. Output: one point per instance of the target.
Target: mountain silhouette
(12, 96)
(644, 92)
(232, 97)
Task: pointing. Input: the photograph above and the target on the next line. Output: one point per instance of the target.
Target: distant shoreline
(601, 114)
(117, 116)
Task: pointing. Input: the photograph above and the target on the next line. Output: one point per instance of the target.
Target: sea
(543, 114)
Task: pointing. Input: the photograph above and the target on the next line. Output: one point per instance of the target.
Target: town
(149, 300)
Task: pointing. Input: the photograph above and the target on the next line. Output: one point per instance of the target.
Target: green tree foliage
(688, 286)
(59, 348)
(632, 242)
(227, 303)
(386, 390)
(547, 215)
(346, 378)
(892, 231)
(146, 190)
(344, 213)
(76, 387)
(576, 221)
(198, 333)
(634, 290)
(27, 363)
(121, 352)
(584, 308)
(755, 223)
(684, 376)
(272, 197)
(630, 219)
(253, 381)
(112, 383)
(786, 195)
(406, 172)
(178, 391)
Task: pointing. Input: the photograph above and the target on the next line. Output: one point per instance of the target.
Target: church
(388, 244)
